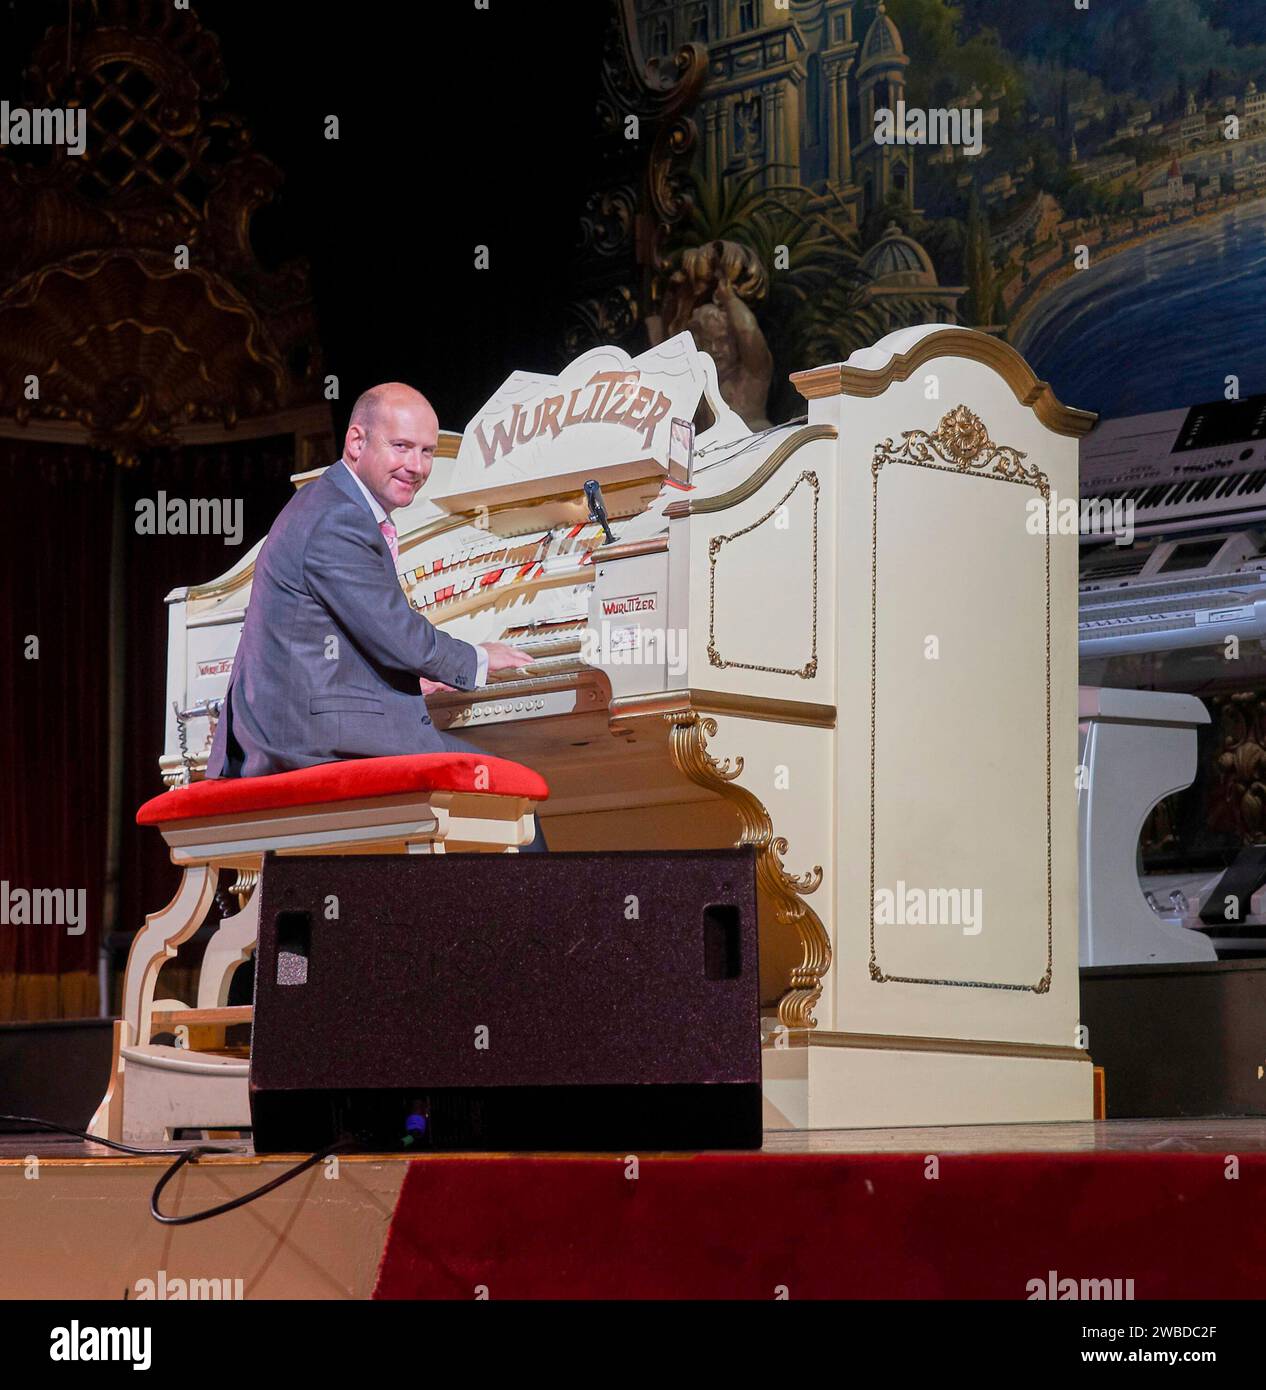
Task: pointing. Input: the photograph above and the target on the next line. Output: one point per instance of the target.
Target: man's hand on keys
(501, 657)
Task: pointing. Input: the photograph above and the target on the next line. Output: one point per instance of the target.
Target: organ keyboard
(747, 661)
(1182, 469)
(1186, 568)
(1160, 595)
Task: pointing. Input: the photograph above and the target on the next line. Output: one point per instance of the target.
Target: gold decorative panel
(960, 445)
(809, 668)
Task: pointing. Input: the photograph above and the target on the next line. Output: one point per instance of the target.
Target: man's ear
(353, 442)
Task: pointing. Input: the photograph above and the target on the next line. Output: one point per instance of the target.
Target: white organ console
(1137, 747)
(841, 639)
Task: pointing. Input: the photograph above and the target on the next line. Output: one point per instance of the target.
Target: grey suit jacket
(330, 653)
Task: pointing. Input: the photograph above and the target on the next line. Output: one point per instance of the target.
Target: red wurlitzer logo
(222, 667)
(628, 604)
(607, 398)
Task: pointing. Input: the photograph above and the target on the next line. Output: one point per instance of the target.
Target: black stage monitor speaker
(508, 1001)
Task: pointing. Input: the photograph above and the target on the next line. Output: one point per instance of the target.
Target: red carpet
(829, 1226)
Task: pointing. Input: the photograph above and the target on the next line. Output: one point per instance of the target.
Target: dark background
(458, 128)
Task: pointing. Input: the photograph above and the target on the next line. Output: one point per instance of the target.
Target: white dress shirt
(481, 656)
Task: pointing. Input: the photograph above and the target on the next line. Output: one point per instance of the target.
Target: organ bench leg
(155, 944)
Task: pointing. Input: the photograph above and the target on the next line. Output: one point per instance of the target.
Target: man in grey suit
(333, 662)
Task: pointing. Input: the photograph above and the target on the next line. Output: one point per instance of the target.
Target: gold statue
(706, 294)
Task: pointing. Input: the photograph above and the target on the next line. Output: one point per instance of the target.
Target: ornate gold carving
(1235, 768)
(688, 746)
(697, 506)
(959, 444)
(841, 379)
(961, 436)
(243, 886)
(638, 198)
(606, 223)
(810, 667)
(167, 354)
(609, 317)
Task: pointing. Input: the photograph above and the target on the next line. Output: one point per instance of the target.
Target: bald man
(333, 662)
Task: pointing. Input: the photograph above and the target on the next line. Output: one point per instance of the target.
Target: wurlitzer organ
(797, 639)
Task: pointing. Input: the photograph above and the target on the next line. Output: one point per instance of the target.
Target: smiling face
(390, 443)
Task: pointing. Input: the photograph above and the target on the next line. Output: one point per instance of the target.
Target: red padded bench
(353, 780)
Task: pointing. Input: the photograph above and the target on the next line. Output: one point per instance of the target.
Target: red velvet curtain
(55, 557)
(55, 533)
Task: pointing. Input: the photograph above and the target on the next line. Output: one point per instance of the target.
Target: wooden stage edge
(77, 1225)
(1214, 1134)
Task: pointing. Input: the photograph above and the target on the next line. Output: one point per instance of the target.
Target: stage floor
(948, 1212)
(1243, 1134)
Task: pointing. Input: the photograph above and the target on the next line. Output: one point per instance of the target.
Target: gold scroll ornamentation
(959, 444)
(688, 746)
(243, 886)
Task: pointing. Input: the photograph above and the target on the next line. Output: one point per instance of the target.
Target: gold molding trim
(652, 480)
(891, 1042)
(221, 588)
(840, 379)
(959, 444)
(697, 506)
(810, 669)
(723, 702)
(688, 747)
(626, 550)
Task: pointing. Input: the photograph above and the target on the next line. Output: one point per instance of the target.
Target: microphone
(597, 507)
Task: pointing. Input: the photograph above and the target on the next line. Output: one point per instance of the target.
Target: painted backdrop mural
(1088, 184)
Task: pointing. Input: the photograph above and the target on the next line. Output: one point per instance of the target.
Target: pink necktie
(389, 532)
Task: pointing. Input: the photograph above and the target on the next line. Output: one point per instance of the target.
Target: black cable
(109, 1143)
(192, 1155)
